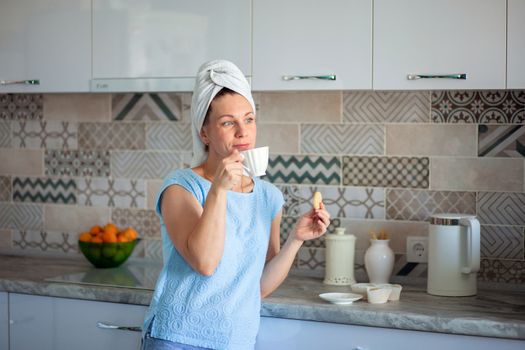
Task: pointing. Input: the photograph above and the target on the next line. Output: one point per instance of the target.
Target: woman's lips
(242, 147)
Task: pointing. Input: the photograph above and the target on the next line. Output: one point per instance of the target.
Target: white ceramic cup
(255, 161)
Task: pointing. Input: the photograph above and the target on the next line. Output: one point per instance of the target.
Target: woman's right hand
(229, 172)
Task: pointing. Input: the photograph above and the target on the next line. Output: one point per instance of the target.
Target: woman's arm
(310, 226)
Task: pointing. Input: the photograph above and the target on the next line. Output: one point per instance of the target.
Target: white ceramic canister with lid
(340, 250)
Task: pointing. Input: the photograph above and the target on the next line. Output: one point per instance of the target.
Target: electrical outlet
(417, 249)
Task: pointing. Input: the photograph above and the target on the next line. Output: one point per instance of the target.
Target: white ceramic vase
(379, 261)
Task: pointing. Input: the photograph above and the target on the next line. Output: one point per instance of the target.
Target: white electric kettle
(453, 255)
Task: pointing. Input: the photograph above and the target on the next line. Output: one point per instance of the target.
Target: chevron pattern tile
(169, 136)
(340, 202)
(419, 205)
(153, 249)
(342, 139)
(288, 224)
(386, 107)
(304, 170)
(76, 163)
(21, 216)
(501, 208)
(5, 189)
(52, 243)
(110, 136)
(502, 242)
(21, 106)
(108, 192)
(502, 271)
(5, 134)
(406, 172)
(143, 164)
(44, 134)
(44, 190)
(147, 107)
(483, 106)
(501, 141)
(146, 222)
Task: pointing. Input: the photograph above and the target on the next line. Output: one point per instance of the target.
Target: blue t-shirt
(220, 311)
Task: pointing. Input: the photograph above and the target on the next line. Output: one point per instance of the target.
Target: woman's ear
(204, 137)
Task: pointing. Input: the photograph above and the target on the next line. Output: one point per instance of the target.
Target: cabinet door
(283, 334)
(4, 322)
(48, 41)
(439, 37)
(298, 38)
(166, 39)
(516, 44)
(55, 323)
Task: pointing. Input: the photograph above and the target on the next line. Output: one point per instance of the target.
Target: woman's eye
(250, 120)
(227, 124)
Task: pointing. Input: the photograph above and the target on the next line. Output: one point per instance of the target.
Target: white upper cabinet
(439, 37)
(516, 44)
(314, 40)
(160, 44)
(48, 41)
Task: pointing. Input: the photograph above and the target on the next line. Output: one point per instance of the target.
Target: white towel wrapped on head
(211, 78)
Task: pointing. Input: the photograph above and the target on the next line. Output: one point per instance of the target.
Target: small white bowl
(378, 295)
(340, 298)
(361, 288)
(396, 292)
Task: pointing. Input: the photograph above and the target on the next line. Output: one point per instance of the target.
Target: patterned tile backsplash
(382, 160)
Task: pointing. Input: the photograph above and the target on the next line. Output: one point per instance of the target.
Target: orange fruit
(112, 228)
(109, 236)
(122, 239)
(84, 237)
(95, 229)
(96, 239)
(130, 233)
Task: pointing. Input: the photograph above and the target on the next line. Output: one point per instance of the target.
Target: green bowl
(107, 254)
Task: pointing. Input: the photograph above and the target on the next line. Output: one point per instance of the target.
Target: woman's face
(230, 125)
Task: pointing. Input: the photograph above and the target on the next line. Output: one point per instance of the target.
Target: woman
(220, 229)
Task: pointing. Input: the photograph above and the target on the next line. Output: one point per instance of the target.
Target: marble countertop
(492, 313)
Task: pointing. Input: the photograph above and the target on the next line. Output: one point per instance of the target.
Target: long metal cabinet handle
(461, 76)
(24, 82)
(309, 77)
(122, 328)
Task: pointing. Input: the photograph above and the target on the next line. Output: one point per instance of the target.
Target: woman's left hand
(312, 224)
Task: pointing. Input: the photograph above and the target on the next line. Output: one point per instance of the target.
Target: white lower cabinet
(4, 322)
(284, 334)
(38, 322)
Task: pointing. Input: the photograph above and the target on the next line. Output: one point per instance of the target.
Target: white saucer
(340, 298)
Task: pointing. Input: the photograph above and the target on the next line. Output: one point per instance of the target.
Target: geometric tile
(45, 242)
(146, 107)
(288, 224)
(501, 141)
(419, 205)
(77, 163)
(21, 106)
(312, 259)
(501, 208)
(304, 170)
(503, 271)
(44, 190)
(342, 139)
(5, 134)
(169, 136)
(104, 192)
(146, 222)
(21, 216)
(407, 172)
(143, 164)
(5, 189)
(340, 202)
(483, 106)
(44, 134)
(153, 249)
(386, 106)
(503, 242)
(109, 136)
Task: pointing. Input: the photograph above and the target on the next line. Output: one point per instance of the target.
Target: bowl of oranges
(107, 246)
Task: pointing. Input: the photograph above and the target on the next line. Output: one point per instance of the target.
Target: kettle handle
(473, 244)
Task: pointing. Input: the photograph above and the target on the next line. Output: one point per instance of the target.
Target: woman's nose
(240, 130)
